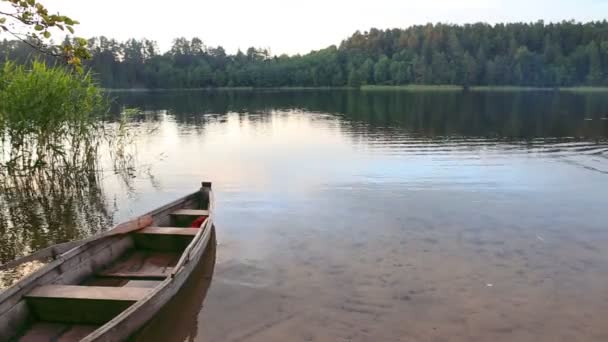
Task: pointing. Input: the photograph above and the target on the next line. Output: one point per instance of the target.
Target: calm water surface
(353, 216)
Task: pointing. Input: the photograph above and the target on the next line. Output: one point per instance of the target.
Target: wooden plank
(77, 311)
(54, 251)
(162, 215)
(130, 294)
(177, 320)
(73, 304)
(44, 331)
(133, 318)
(15, 320)
(122, 282)
(79, 260)
(129, 226)
(190, 212)
(169, 231)
(186, 217)
(142, 264)
(186, 255)
(77, 269)
(138, 223)
(69, 268)
(136, 275)
(162, 242)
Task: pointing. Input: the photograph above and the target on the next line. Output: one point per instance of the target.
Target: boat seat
(190, 212)
(76, 304)
(159, 275)
(167, 239)
(169, 231)
(187, 217)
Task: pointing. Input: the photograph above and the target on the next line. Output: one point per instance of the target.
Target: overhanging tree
(30, 22)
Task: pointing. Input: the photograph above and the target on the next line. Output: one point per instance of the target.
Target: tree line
(523, 54)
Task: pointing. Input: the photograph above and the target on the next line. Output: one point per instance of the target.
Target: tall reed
(52, 133)
(49, 117)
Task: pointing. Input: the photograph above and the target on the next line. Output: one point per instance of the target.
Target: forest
(519, 54)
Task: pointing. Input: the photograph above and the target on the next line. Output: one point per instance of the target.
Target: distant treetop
(524, 54)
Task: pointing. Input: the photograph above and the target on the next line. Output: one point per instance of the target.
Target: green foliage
(381, 70)
(48, 117)
(39, 26)
(354, 79)
(595, 76)
(520, 54)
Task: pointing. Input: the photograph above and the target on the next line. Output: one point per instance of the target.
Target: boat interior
(95, 286)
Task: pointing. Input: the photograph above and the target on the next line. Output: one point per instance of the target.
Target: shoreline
(223, 89)
(409, 87)
(457, 88)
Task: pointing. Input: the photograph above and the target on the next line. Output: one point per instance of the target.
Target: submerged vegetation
(518, 54)
(54, 143)
(49, 141)
(53, 135)
(49, 117)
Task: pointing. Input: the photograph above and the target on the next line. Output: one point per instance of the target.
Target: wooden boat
(107, 287)
(178, 320)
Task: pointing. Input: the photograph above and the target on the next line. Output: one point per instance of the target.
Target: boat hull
(110, 285)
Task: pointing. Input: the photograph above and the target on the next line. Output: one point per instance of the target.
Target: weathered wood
(186, 217)
(122, 282)
(142, 264)
(177, 320)
(81, 262)
(136, 275)
(162, 242)
(133, 318)
(14, 313)
(59, 332)
(130, 294)
(190, 212)
(14, 320)
(133, 225)
(164, 238)
(169, 231)
(76, 270)
(161, 215)
(75, 311)
(186, 255)
(70, 267)
(82, 304)
(53, 252)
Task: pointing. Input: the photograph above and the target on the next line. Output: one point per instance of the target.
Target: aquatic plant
(54, 145)
(49, 117)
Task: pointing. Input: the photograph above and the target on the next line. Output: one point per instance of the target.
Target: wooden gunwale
(142, 310)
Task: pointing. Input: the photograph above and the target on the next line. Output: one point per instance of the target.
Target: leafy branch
(30, 22)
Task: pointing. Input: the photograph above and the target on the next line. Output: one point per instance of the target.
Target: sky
(292, 27)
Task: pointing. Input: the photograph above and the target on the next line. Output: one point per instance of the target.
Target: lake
(354, 216)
